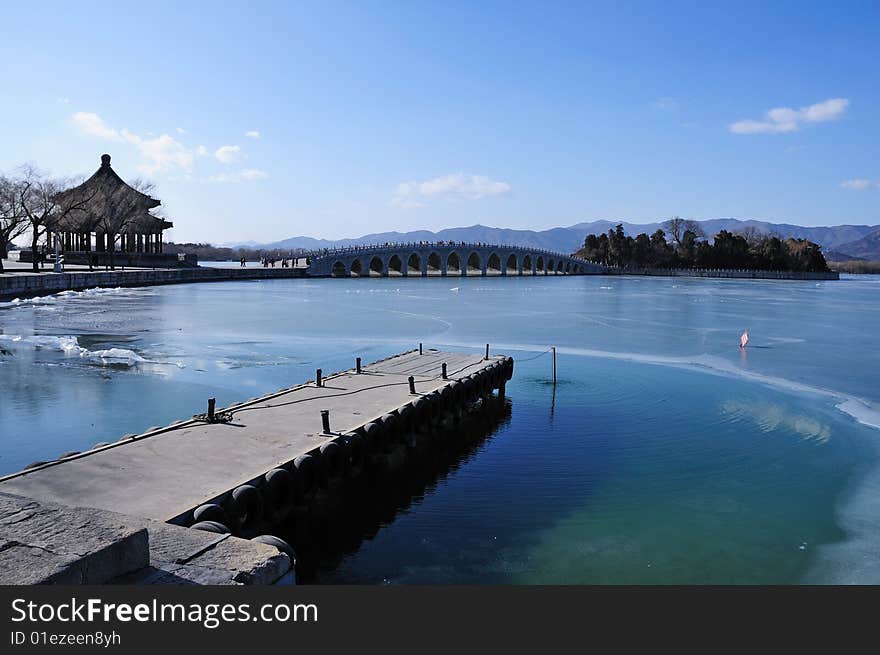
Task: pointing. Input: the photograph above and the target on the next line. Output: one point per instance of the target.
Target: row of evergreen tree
(688, 248)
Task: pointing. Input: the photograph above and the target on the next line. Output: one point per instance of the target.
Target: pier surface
(166, 472)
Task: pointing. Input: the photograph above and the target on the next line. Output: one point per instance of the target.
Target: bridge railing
(425, 245)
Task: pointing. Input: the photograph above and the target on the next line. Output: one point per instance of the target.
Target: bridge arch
(540, 265)
(453, 264)
(338, 269)
(414, 264)
(560, 266)
(474, 263)
(568, 267)
(435, 263)
(395, 265)
(377, 266)
(493, 264)
(527, 264)
(510, 265)
(357, 268)
(551, 266)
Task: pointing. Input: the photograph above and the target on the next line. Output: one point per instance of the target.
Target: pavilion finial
(105, 160)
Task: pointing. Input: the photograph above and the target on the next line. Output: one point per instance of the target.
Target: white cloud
(164, 153)
(252, 134)
(244, 175)
(408, 195)
(227, 154)
(857, 185)
(93, 125)
(161, 153)
(784, 119)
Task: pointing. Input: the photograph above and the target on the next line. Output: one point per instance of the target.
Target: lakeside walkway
(19, 281)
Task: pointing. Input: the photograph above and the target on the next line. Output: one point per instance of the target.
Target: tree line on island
(688, 247)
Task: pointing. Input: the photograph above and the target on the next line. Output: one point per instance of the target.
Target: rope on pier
(528, 359)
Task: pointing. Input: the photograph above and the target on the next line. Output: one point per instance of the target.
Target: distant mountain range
(841, 241)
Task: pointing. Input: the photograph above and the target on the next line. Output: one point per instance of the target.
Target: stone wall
(14, 285)
(723, 273)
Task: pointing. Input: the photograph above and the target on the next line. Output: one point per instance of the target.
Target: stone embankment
(14, 285)
(47, 543)
(723, 273)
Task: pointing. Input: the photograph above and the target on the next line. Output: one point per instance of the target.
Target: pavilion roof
(103, 201)
(146, 223)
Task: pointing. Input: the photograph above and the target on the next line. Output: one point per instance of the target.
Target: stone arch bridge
(444, 259)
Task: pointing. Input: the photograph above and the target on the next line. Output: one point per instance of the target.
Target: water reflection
(372, 502)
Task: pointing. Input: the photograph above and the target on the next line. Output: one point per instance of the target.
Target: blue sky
(259, 121)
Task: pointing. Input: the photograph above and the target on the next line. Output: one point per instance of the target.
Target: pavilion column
(160, 243)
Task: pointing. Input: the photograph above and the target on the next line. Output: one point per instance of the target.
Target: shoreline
(23, 285)
(28, 284)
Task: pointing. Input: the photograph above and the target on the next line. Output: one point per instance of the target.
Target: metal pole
(554, 364)
(318, 378)
(211, 404)
(325, 420)
(444, 371)
(357, 363)
(487, 351)
(420, 348)
(412, 385)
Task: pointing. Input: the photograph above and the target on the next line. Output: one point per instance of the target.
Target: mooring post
(357, 363)
(325, 420)
(443, 369)
(420, 347)
(501, 391)
(412, 385)
(554, 364)
(211, 404)
(487, 351)
(318, 381)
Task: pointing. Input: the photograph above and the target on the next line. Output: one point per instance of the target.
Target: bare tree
(38, 200)
(753, 235)
(119, 213)
(13, 222)
(677, 226)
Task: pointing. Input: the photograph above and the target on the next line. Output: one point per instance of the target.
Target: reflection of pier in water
(374, 502)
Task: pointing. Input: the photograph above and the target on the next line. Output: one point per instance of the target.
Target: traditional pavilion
(107, 209)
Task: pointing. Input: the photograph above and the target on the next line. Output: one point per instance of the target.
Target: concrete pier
(256, 463)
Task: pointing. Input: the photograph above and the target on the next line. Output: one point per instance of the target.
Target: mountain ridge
(569, 239)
